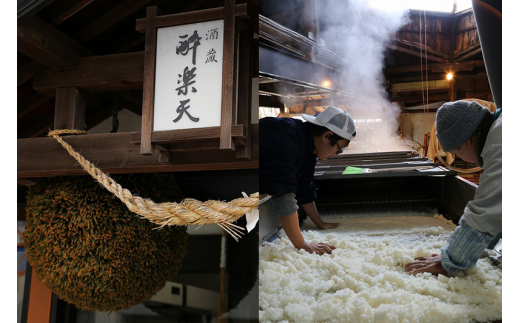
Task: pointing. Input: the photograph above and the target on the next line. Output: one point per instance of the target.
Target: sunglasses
(340, 150)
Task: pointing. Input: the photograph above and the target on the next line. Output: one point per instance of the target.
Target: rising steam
(358, 33)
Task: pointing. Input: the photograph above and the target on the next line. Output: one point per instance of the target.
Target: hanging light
(326, 83)
(449, 76)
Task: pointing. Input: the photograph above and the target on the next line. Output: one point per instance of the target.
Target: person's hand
(318, 248)
(426, 264)
(324, 225)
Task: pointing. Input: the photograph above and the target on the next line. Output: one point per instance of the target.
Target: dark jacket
(287, 160)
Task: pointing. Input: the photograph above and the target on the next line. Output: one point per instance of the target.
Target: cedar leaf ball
(87, 247)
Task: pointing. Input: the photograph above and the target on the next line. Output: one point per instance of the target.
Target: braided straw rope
(189, 211)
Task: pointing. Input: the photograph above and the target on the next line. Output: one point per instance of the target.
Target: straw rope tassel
(189, 211)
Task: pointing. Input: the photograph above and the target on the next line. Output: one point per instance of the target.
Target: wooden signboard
(197, 81)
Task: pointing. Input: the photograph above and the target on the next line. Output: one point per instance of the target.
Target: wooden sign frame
(234, 132)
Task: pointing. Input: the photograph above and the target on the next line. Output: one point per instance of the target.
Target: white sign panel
(188, 76)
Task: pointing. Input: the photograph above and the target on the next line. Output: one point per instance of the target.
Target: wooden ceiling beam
(241, 11)
(30, 103)
(468, 55)
(47, 45)
(468, 65)
(25, 72)
(131, 102)
(113, 153)
(96, 74)
(109, 18)
(28, 8)
(135, 38)
(37, 128)
(414, 53)
(66, 9)
(420, 98)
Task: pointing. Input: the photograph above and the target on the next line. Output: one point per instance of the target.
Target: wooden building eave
(114, 154)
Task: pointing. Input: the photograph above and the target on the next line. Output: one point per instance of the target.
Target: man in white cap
(471, 132)
(289, 149)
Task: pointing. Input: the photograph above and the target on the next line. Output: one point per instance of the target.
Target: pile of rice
(364, 280)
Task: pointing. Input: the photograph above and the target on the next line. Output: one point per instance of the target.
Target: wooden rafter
(135, 38)
(25, 72)
(30, 103)
(415, 53)
(47, 45)
(109, 18)
(66, 9)
(96, 74)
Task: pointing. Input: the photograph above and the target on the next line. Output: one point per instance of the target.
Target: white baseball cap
(336, 120)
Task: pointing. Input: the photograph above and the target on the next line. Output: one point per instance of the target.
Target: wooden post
(222, 306)
(452, 90)
(39, 309)
(69, 110)
(245, 85)
(150, 49)
(228, 77)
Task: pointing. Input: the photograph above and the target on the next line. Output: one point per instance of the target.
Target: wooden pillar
(69, 110)
(245, 86)
(453, 90)
(228, 77)
(150, 49)
(310, 25)
(39, 309)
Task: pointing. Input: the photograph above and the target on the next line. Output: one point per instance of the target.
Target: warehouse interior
(423, 59)
(391, 72)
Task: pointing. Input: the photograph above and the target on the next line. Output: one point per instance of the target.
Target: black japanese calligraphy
(183, 108)
(212, 34)
(210, 57)
(184, 46)
(186, 79)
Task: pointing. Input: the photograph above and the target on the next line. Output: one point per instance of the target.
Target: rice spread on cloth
(364, 279)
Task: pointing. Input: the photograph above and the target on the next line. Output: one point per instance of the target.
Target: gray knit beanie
(457, 122)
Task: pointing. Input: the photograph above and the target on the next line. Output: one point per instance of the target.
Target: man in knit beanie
(472, 133)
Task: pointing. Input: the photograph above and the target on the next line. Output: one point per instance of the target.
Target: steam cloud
(357, 33)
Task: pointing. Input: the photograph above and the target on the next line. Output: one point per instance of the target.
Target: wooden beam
(147, 148)
(28, 8)
(66, 9)
(109, 18)
(453, 92)
(25, 72)
(30, 103)
(415, 53)
(131, 102)
(467, 50)
(270, 101)
(469, 65)
(468, 55)
(426, 49)
(228, 102)
(96, 74)
(114, 153)
(47, 45)
(39, 309)
(431, 97)
(245, 82)
(37, 128)
(191, 17)
(70, 109)
(134, 38)
(168, 136)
